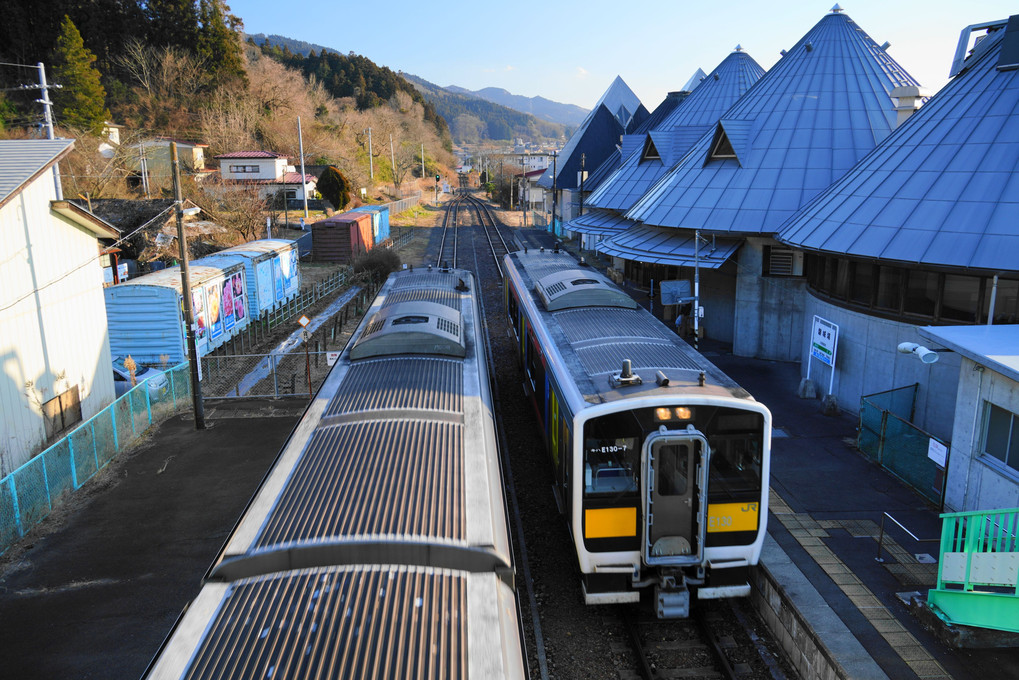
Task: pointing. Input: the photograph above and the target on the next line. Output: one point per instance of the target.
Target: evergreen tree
(218, 42)
(173, 22)
(334, 187)
(81, 100)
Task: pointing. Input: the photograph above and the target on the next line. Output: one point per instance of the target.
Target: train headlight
(663, 414)
(684, 413)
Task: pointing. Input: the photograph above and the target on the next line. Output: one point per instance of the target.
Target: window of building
(1001, 435)
(721, 147)
(888, 295)
(650, 152)
(862, 289)
(240, 169)
(921, 293)
(961, 298)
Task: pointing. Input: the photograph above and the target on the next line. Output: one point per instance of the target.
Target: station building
(919, 242)
(648, 155)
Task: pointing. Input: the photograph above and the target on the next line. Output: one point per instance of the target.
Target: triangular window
(721, 147)
(650, 151)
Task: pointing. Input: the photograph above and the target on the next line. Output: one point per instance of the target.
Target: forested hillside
(472, 119)
(352, 75)
(181, 69)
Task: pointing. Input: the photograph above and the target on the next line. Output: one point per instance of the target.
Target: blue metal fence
(30, 493)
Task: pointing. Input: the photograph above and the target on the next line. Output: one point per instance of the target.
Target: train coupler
(673, 600)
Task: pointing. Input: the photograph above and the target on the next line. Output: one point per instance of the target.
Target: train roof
(349, 622)
(592, 336)
(396, 449)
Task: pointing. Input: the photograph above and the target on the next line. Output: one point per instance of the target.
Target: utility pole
(371, 168)
(422, 161)
(47, 111)
(580, 210)
(304, 185)
(523, 190)
(555, 155)
(696, 286)
(145, 169)
(392, 156)
(185, 287)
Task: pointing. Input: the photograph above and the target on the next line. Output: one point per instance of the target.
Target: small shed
(380, 221)
(271, 269)
(341, 238)
(146, 314)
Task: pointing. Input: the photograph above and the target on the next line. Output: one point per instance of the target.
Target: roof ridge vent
(837, 9)
(626, 376)
(572, 288)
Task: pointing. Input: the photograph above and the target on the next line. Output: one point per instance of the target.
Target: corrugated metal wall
(145, 322)
(54, 338)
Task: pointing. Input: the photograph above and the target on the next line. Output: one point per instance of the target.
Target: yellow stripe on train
(610, 522)
(732, 517)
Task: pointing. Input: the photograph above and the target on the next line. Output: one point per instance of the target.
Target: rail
(31, 492)
(978, 573)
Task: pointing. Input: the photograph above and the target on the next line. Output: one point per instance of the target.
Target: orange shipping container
(341, 238)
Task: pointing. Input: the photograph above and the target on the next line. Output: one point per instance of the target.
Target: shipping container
(380, 221)
(271, 272)
(341, 238)
(146, 314)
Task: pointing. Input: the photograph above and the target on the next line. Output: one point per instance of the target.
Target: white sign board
(937, 452)
(332, 357)
(824, 341)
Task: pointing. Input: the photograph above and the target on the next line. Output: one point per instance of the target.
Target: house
(267, 171)
(150, 162)
(54, 346)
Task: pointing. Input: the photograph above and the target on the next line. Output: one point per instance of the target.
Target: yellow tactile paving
(808, 533)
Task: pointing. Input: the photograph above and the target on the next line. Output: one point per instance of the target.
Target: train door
(675, 470)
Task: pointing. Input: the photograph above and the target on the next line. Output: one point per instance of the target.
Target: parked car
(154, 379)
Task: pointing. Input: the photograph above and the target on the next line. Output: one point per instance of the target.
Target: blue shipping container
(380, 221)
(272, 272)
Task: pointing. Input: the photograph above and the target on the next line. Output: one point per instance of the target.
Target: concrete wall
(769, 312)
(974, 481)
(867, 361)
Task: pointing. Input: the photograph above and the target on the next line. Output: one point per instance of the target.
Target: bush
(376, 264)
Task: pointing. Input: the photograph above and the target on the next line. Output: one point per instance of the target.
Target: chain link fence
(30, 493)
(264, 375)
(888, 438)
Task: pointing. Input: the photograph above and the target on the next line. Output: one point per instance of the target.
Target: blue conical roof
(943, 189)
(613, 114)
(677, 132)
(820, 109)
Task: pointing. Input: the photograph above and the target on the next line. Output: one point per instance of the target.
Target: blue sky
(571, 51)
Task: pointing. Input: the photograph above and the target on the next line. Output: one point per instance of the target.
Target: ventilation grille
(375, 326)
(448, 326)
(555, 288)
(785, 262)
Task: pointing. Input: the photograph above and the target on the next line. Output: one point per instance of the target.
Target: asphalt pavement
(94, 590)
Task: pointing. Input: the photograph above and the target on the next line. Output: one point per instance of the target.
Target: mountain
(295, 46)
(472, 118)
(546, 109)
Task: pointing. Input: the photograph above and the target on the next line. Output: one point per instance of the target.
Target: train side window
(512, 309)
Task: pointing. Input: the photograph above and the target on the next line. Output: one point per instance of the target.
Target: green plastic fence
(30, 493)
(888, 438)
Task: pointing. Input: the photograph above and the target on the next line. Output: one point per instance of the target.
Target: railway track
(564, 638)
(450, 234)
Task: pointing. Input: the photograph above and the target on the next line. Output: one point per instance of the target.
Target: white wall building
(54, 347)
(267, 170)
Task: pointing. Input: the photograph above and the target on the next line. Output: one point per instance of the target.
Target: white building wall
(52, 320)
(974, 481)
(268, 168)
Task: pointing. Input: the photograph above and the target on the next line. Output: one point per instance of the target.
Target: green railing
(30, 493)
(888, 438)
(978, 572)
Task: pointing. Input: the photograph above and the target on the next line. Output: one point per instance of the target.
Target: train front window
(613, 444)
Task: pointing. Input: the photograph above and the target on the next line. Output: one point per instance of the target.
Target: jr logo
(749, 507)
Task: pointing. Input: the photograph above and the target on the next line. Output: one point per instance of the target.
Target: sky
(570, 52)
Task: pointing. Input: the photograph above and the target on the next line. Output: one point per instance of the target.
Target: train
(377, 544)
(660, 461)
